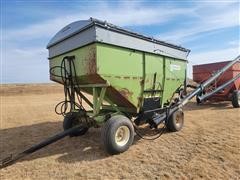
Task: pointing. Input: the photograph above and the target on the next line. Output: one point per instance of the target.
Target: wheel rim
(179, 120)
(122, 135)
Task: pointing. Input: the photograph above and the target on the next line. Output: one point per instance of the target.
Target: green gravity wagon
(131, 79)
(130, 83)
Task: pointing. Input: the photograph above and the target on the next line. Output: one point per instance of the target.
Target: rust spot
(91, 62)
(126, 93)
(126, 77)
(113, 94)
(91, 79)
(119, 77)
(135, 77)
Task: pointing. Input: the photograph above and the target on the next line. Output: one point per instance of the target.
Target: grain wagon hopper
(133, 80)
(225, 88)
(129, 76)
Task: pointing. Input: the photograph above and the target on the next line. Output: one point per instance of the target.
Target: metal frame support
(85, 99)
(112, 106)
(99, 92)
(95, 99)
(98, 99)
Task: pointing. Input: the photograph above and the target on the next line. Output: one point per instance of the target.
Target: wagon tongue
(6, 161)
(12, 159)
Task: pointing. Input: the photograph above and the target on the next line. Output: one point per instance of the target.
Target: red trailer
(231, 92)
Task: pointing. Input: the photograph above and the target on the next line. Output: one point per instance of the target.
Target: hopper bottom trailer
(133, 80)
(215, 92)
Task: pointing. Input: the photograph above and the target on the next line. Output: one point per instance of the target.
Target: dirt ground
(207, 147)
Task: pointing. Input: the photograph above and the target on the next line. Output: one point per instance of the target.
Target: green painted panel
(113, 60)
(174, 77)
(154, 74)
(123, 68)
(85, 61)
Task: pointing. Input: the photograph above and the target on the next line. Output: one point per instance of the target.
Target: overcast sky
(209, 28)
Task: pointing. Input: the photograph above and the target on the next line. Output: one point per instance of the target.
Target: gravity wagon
(130, 76)
(126, 79)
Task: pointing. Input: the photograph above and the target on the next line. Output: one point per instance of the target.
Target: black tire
(71, 120)
(175, 121)
(117, 124)
(236, 99)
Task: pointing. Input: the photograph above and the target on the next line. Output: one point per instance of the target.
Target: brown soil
(207, 147)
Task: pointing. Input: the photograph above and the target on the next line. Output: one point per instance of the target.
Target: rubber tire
(69, 122)
(171, 124)
(235, 99)
(108, 134)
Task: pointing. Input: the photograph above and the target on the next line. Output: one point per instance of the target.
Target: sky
(210, 29)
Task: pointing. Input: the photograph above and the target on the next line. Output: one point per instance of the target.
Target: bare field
(207, 147)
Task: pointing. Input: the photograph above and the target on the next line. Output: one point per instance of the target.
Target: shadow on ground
(223, 105)
(70, 149)
(76, 149)
(84, 148)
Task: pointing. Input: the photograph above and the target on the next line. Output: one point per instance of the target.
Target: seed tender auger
(133, 80)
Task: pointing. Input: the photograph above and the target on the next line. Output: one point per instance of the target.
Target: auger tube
(195, 92)
(205, 96)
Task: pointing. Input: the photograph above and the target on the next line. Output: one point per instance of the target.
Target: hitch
(13, 158)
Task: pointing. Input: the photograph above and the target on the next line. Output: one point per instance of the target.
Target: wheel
(117, 134)
(71, 120)
(175, 121)
(236, 99)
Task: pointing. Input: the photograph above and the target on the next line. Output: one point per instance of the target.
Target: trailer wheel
(236, 99)
(175, 121)
(117, 134)
(71, 120)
